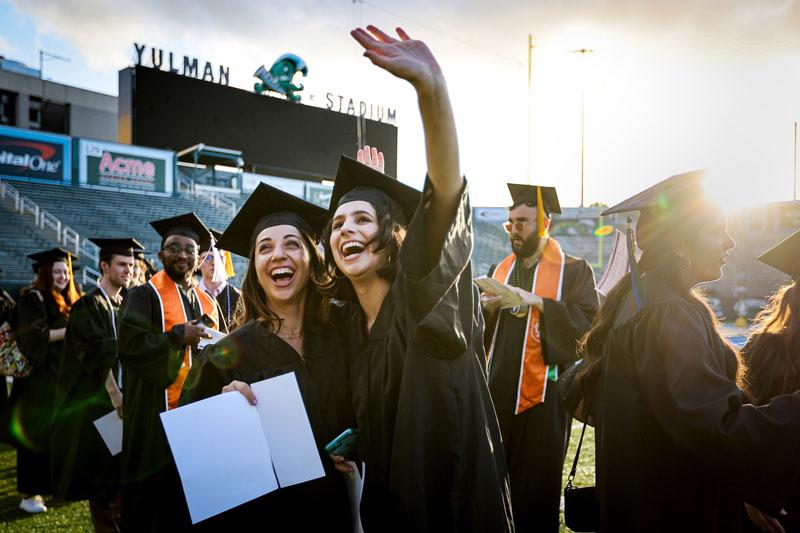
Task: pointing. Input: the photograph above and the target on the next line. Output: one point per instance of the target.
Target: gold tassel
(229, 271)
(72, 291)
(540, 213)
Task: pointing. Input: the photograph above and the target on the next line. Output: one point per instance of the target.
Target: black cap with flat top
(670, 195)
(187, 225)
(124, 246)
(50, 256)
(269, 206)
(526, 194)
(357, 181)
(785, 256)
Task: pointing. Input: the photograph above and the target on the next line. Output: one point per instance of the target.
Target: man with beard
(527, 347)
(88, 387)
(159, 330)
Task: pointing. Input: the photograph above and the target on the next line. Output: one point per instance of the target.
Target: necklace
(291, 334)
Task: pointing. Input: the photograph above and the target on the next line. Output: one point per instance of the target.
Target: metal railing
(89, 274)
(216, 200)
(43, 220)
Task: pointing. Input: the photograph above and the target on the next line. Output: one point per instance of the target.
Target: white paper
(355, 486)
(508, 298)
(221, 453)
(216, 336)
(287, 429)
(229, 452)
(110, 428)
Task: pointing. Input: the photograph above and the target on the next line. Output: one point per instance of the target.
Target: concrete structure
(36, 104)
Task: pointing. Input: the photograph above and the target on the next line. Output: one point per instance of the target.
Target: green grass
(74, 516)
(61, 516)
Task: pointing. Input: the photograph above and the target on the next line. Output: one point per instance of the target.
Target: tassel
(540, 213)
(72, 292)
(229, 271)
(636, 279)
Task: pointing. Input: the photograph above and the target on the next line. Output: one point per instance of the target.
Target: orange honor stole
(173, 314)
(547, 282)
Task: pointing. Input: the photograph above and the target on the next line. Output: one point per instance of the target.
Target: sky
(669, 87)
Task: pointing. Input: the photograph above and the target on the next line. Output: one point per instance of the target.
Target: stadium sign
(342, 104)
(33, 156)
(113, 166)
(188, 66)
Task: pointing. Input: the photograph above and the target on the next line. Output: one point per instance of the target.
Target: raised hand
(372, 158)
(404, 57)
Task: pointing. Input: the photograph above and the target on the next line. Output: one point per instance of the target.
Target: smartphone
(206, 321)
(344, 444)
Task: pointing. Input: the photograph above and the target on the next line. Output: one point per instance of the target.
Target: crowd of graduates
(461, 403)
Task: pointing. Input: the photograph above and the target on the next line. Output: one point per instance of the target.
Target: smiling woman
(284, 323)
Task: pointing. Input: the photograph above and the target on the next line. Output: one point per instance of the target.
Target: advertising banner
(33, 156)
(104, 165)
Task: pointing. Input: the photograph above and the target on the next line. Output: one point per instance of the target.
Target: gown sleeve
(432, 288)
(565, 322)
(685, 386)
(154, 356)
(34, 329)
(209, 373)
(92, 337)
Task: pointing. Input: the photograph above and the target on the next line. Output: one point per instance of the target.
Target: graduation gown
(151, 360)
(535, 440)
(82, 466)
(252, 354)
(27, 419)
(678, 448)
(428, 432)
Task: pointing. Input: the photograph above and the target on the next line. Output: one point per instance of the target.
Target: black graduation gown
(252, 354)
(428, 431)
(27, 418)
(82, 466)
(535, 440)
(151, 360)
(678, 448)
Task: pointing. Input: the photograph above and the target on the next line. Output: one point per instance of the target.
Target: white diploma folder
(110, 428)
(229, 452)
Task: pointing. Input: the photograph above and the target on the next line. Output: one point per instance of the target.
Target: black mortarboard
(669, 196)
(526, 194)
(187, 225)
(268, 206)
(125, 246)
(217, 234)
(357, 181)
(50, 256)
(784, 256)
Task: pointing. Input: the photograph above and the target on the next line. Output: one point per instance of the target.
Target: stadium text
(337, 102)
(189, 67)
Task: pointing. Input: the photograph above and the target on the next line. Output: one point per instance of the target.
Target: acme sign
(185, 65)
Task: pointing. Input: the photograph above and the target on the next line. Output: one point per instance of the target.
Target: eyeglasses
(518, 225)
(177, 248)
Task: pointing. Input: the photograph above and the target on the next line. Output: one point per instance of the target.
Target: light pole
(530, 59)
(583, 52)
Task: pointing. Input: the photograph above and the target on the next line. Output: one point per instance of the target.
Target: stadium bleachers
(97, 213)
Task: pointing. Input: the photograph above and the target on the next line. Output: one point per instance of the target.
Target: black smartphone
(344, 444)
(206, 321)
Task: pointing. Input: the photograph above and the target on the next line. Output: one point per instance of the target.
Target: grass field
(74, 516)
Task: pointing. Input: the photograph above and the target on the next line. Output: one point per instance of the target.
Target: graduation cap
(269, 206)
(784, 256)
(530, 194)
(188, 225)
(126, 246)
(670, 196)
(48, 257)
(544, 198)
(357, 181)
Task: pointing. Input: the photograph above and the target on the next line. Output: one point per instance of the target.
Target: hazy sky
(671, 86)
